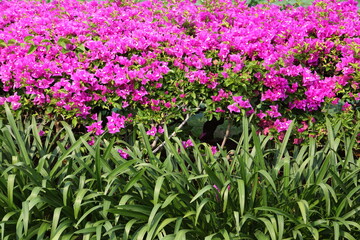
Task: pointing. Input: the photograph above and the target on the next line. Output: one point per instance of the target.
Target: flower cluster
(159, 61)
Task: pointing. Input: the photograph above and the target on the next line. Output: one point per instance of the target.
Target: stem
(173, 134)
(154, 142)
(227, 133)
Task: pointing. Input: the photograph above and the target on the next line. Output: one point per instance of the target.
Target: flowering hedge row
(155, 61)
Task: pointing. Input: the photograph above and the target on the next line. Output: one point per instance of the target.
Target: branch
(154, 142)
(173, 134)
(227, 133)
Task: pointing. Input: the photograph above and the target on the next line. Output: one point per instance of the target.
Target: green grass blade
(18, 137)
(285, 142)
(242, 196)
(147, 143)
(304, 209)
(128, 227)
(259, 157)
(134, 180)
(87, 213)
(267, 176)
(44, 227)
(158, 187)
(169, 199)
(201, 192)
(153, 212)
(10, 189)
(55, 222)
(163, 224)
(269, 228)
(77, 203)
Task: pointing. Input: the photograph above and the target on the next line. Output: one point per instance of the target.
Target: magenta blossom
(95, 128)
(282, 125)
(242, 103)
(304, 127)
(219, 190)
(187, 143)
(115, 122)
(346, 107)
(123, 154)
(152, 131)
(274, 112)
(160, 130)
(214, 150)
(91, 142)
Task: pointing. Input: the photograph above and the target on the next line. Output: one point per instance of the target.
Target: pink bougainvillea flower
(91, 142)
(160, 130)
(298, 141)
(96, 128)
(15, 105)
(123, 154)
(335, 101)
(346, 107)
(304, 127)
(214, 150)
(233, 108)
(274, 112)
(242, 103)
(152, 131)
(187, 143)
(216, 51)
(94, 117)
(261, 115)
(115, 122)
(217, 188)
(282, 125)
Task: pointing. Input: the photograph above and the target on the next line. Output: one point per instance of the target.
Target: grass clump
(58, 186)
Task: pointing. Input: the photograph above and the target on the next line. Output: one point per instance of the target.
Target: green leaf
(304, 209)
(77, 204)
(55, 221)
(44, 227)
(19, 139)
(3, 43)
(199, 208)
(11, 42)
(242, 196)
(158, 187)
(32, 49)
(134, 180)
(281, 212)
(201, 192)
(28, 39)
(169, 199)
(268, 178)
(10, 189)
(121, 169)
(63, 41)
(46, 40)
(269, 227)
(90, 211)
(25, 215)
(261, 236)
(128, 227)
(153, 213)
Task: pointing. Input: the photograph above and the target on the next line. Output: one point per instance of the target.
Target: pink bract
(66, 57)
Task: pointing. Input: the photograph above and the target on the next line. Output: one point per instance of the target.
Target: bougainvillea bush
(111, 65)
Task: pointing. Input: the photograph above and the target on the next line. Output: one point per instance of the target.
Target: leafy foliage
(57, 186)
